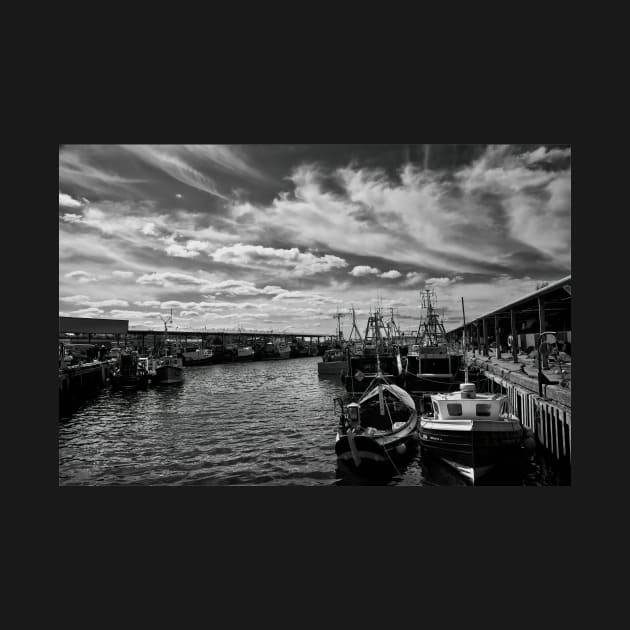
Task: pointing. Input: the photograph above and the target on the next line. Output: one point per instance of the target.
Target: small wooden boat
(471, 432)
(377, 427)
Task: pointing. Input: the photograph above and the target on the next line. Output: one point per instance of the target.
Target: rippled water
(256, 423)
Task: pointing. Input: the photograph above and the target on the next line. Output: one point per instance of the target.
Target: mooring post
(513, 333)
(486, 349)
(497, 335)
(542, 324)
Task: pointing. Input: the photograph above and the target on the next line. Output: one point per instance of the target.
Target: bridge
(94, 330)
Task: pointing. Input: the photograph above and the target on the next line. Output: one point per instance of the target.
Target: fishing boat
(333, 362)
(278, 349)
(129, 372)
(471, 432)
(166, 368)
(431, 363)
(197, 356)
(377, 428)
(244, 353)
(365, 354)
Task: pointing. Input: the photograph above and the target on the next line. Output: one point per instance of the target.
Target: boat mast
(354, 326)
(464, 343)
(338, 317)
(168, 320)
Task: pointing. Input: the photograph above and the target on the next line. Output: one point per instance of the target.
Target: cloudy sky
(281, 237)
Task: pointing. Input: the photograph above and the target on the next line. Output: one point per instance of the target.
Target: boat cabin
(334, 354)
(467, 404)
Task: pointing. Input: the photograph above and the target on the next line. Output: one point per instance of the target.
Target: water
(256, 423)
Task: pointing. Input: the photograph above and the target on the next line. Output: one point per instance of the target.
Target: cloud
(84, 300)
(68, 202)
(363, 270)
(122, 274)
(84, 312)
(188, 250)
(180, 251)
(167, 160)
(149, 303)
(118, 314)
(76, 170)
(391, 274)
(541, 154)
(239, 288)
(168, 278)
(229, 158)
(299, 263)
(472, 220)
(443, 282)
(81, 276)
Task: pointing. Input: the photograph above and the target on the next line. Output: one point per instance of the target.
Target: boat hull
(332, 368)
(471, 447)
(364, 451)
(130, 382)
(167, 375)
(202, 361)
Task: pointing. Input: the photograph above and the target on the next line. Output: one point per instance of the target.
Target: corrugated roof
(548, 289)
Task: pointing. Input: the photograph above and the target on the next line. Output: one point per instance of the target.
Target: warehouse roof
(559, 286)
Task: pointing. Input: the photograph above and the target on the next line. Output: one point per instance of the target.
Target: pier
(547, 416)
(82, 380)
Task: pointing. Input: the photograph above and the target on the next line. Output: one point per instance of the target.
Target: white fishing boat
(471, 432)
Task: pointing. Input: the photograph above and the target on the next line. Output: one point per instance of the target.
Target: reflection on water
(257, 423)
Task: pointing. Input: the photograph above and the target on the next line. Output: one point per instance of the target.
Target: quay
(82, 380)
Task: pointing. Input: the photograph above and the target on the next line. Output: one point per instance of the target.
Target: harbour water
(255, 423)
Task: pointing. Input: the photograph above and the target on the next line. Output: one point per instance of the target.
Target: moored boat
(165, 368)
(471, 432)
(431, 363)
(168, 370)
(333, 362)
(377, 428)
(197, 356)
(244, 353)
(129, 372)
(375, 352)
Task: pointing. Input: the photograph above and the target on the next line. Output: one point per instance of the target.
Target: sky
(282, 237)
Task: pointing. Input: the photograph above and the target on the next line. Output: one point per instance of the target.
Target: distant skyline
(281, 237)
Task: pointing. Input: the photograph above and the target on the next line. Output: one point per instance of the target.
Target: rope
(391, 460)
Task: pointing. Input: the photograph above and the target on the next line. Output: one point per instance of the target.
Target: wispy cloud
(167, 160)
